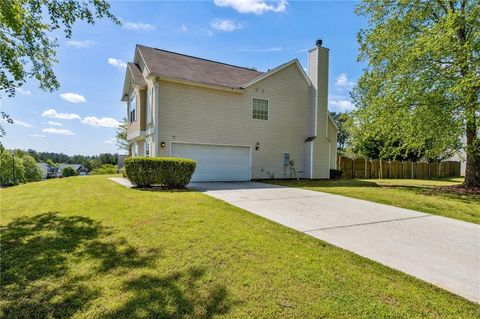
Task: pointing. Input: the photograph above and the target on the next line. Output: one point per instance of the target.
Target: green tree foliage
(121, 136)
(420, 90)
(68, 171)
(27, 39)
(105, 169)
(342, 134)
(32, 171)
(11, 169)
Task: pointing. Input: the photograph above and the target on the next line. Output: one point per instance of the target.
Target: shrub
(170, 172)
(68, 171)
(32, 171)
(105, 169)
(335, 174)
(11, 171)
(123, 172)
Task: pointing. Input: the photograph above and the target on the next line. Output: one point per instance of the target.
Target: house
(47, 170)
(80, 169)
(237, 123)
(120, 159)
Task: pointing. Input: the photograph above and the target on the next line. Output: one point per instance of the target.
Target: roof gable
(278, 69)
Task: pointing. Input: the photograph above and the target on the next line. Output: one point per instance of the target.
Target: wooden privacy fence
(367, 168)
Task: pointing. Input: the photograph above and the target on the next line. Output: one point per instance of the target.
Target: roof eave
(158, 77)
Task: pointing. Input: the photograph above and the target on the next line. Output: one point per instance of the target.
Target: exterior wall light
(162, 144)
(257, 146)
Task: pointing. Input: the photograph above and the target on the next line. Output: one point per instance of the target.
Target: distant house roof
(76, 167)
(188, 68)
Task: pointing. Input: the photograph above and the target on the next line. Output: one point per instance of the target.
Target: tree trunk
(472, 172)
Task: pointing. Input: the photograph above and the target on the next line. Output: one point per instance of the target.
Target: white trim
(135, 134)
(331, 119)
(141, 56)
(213, 144)
(278, 69)
(268, 109)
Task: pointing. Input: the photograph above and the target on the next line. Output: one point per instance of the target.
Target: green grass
(412, 194)
(85, 247)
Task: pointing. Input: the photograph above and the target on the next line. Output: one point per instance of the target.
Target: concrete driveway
(439, 250)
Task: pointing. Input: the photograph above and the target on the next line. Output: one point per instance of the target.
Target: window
(132, 116)
(149, 105)
(260, 109)
(147, 149)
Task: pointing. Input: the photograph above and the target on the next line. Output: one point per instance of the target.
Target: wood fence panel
(433, 170)
(365, 168)
(395, 170)
(407, 169)
(375, 168)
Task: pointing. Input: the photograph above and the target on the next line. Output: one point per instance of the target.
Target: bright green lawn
(412, 194)
(85, 247)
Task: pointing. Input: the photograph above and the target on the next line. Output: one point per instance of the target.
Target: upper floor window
(260, 109)
(149, 105)
(132, 116)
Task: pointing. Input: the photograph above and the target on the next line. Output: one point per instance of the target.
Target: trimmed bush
(68, 171)
(335, 174)
(170, 172)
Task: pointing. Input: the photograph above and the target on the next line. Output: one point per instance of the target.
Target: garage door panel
(216, 162)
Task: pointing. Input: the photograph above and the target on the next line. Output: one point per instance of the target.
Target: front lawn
(413, 194)
(85, 247)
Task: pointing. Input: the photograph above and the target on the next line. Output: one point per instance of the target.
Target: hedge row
(170, 172)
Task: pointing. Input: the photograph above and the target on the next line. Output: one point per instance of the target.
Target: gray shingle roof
(184, 67)
(136, 74)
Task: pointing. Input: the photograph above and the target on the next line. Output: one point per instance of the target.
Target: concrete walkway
(439, 250)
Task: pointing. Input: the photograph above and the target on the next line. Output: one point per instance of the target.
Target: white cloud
(80, 44)
(226, 25)
(101, 122)
(110, 141)
(272, 49)
(254, 6)
(37, 135)
(54, 123)
(17, 122)
(138, 26)
(57, 131)
(73, 97)
(184, 28)
(119, 64)
(340, 103)
(21, 123)
(343, 82)
(22, 91)
(63, 116)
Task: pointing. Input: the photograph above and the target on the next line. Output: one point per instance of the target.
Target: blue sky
(81, 117)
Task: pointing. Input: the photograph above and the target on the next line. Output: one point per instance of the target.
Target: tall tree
(27, 42)
(121, 136)
(342, 134)
(421, 85)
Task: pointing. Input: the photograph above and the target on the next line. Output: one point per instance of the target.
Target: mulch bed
(458, 189)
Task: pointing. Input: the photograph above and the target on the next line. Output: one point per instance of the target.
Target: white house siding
(201, 115)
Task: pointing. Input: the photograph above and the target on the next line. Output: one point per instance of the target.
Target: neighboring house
(80, 169)
(47, 170)
(236, 123)
(120, 159)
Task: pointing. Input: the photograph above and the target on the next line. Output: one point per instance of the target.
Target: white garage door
(215, 162)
